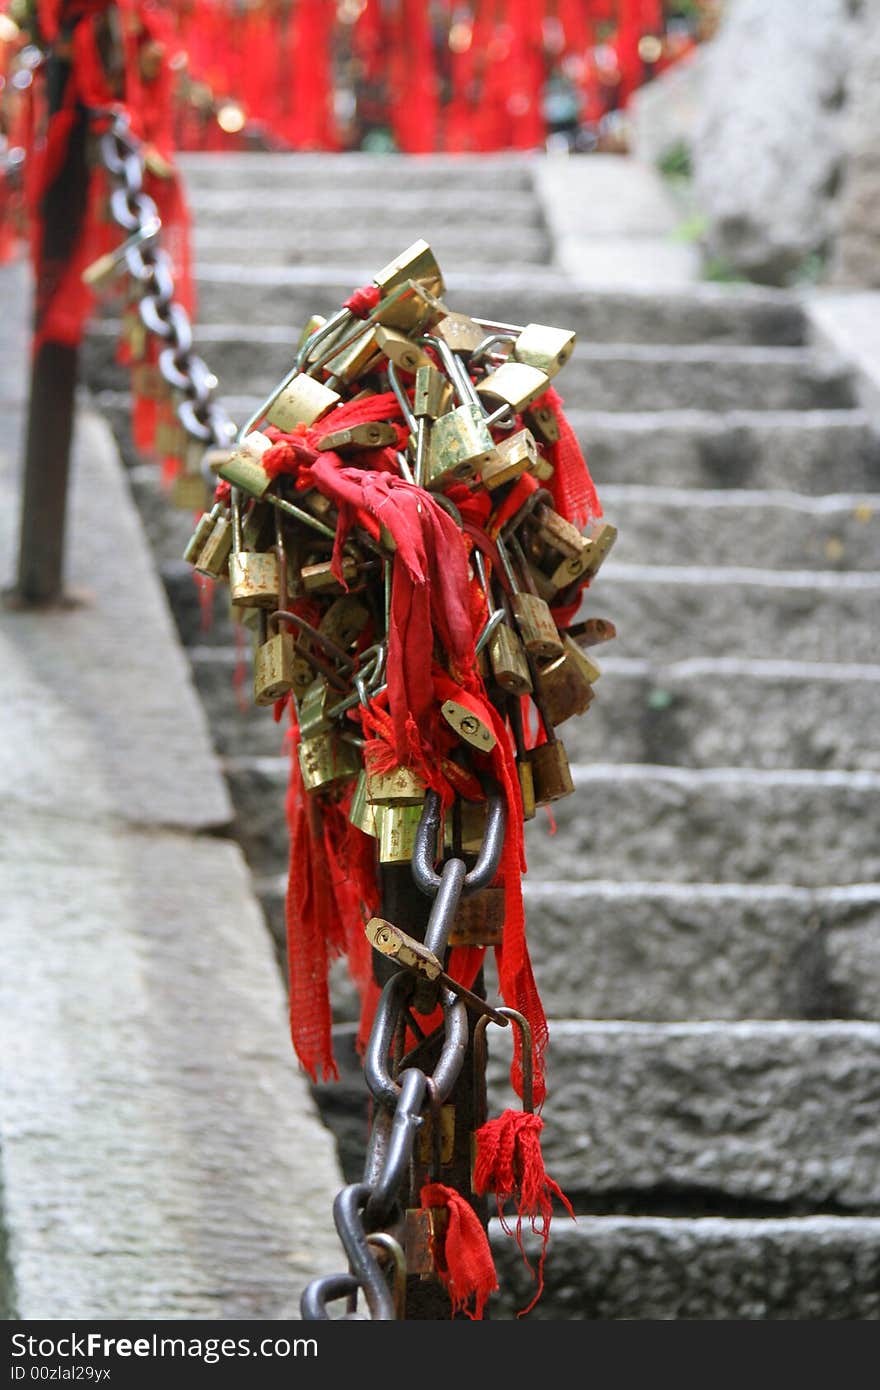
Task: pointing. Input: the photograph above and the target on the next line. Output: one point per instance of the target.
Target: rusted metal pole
(54, 366)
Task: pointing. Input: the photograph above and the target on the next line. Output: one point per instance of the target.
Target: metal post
(53, 380)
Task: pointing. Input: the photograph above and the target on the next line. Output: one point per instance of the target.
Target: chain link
(151, 269)
(362, 1209)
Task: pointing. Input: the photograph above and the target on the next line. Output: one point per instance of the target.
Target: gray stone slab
(808, 451)
(681, 613)
(846, 322)
(161, 1155)
(729, 712)
(283, 240)
(92, 691)
(759, 1111)
(315, 175)
(738, 527)
(649, 1268)
(704, 951)
(718, 825)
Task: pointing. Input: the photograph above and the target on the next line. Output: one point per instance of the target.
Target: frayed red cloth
(510, 1163)
(574, 492)
(462, 1255)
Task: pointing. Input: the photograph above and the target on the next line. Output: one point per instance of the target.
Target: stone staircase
(705, 916)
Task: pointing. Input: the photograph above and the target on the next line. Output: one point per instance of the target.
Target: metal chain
(151, 269)
(373, 1206)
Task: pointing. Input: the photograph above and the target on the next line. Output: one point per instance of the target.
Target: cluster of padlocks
(468, 415)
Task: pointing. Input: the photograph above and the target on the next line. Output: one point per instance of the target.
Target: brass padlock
(542, 421)
(479, 919)
(273, 668)
(469, 726)
(423, 1227)
(514, 456)
(543, 347)
(399, 786)
(540, 635)
(362, 813)
(203, 528)
(355, 360)
(213, 558)
(243, 467)
(550, 772)
(312, 709)
(327, 759)
(432, 393)
(472, 819)
(401, 350)
(592, 631)
(513, 383)
(461, 332)
(303, 401)
(344, 621)
(409, 306)
(375, 434)
(527, 788)
(397, 832)
(460, 445)
(319, 578)
(505, 655)
(566, 684)
(598, 542)
(417, 263)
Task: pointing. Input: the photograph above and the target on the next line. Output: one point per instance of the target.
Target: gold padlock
(531, 613)
(344, 621)
(505, 656)
(472, 820)
(460, 446)
(203, 528)
(598, 542)
(213, 559)
(566, 684)
(303, 401)
(461, 332)
(327, 759)
(592, 631)
(399, 786)
(319, 578)
(312, 708)
(355, 360)
(243, 467)
(375, 434)
(550, 772)
(479, 919)
(273, 668)
(543, 347)
(542, 421)
(362, 813)
(514, 456)
(432, 394)
(513, 383)
(398, 825)
(401, 350)
(417, 263)
(527, 788)
(253, 579)
(468, 726)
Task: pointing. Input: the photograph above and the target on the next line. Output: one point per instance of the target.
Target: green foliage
(675, 162)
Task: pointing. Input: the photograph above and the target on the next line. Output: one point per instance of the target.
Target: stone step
(660, 824)
(315, 176)
(807, 451)
(758, 1111)
(278, 238)
(695, 1268)
(249, 359)
(681, 612)
(662, 952)
(784, 714)
(232, 293)
(404, 213)
(782, 530)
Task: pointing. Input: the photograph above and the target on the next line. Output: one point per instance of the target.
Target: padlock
(598, 541)
(554, 531)
(399, 786)
(506, 658)
(318, 578)
(531, 613)
(375, 434)
(514, 456)
(344, 621)
(551, 774)
(242, 468)
(460, 445)
(401, 350)
(432, 393)
(592, 631)
(312, 325)
(409, 307)
(397, 832)
(302, 401)
(423, 1227)
(312, 710)
(542, 421)
(327, 759)
(513, 383)
(566, 684)
(170, 440)
(417, 263)
(547, 349)
(213, 558)
(254, 580)
(362, 813)
(479, 919)
(355, 360)
(203, 528)
(471, 818)
(469, 726)
(523, 766)
(273, 668)
(462, 333)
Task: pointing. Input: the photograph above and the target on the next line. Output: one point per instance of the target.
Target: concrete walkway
(161, 1156)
